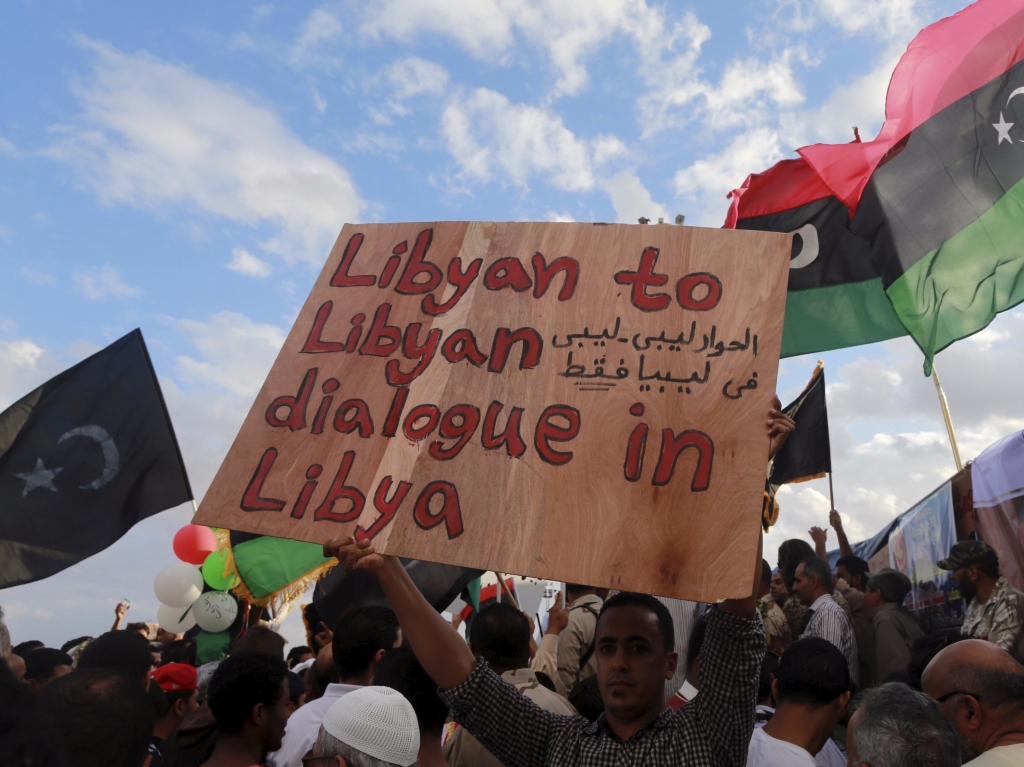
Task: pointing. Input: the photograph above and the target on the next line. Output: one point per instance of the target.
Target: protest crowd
(817, 666)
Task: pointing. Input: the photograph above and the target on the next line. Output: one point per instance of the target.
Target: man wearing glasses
(980, 689)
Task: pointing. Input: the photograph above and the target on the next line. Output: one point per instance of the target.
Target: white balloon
(215, 610)
(178, 585)
(171, 620)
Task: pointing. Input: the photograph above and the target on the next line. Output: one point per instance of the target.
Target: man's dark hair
(123, 651)
(161, 705)
(812, 671)
(138, 627)
(854, 566)
(891, 586)
(71, 643)
(792, 553)
(769, 668)
(174, 696)
(401, 671)
(24, 740)
(359, 635)
(98, 717)
(260, 639)
(700, 628)
(586, 698)
(24, 648)
(646, 602)
(814, 567)
(766, 572)
(501, 635)
(295, 653)
(901, 726)
(240, 683)
(40, 663)
(179, 651)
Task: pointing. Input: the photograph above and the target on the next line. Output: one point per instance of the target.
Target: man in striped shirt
(813, 585)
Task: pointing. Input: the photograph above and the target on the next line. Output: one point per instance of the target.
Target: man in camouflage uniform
(994, 607)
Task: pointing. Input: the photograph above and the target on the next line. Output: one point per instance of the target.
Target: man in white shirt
(980, 689)
(828, 621)
(360, 639)
(811, 689)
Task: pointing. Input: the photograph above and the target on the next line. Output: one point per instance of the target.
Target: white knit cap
(378, 721)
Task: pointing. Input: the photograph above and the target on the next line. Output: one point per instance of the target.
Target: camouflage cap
(967, 553)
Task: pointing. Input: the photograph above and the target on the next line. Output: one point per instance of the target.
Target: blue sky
(185, 168)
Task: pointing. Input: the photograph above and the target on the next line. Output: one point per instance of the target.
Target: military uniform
(999, 618)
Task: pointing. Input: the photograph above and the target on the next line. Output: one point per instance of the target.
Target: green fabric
(473, 587)
(837, 316)
(268, 564)
(959, 287)
(211, 646)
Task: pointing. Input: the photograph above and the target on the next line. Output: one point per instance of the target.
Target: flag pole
(831, 495)
(948, 418)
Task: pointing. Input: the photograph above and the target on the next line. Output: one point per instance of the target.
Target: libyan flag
(919, 231)
(82, 459)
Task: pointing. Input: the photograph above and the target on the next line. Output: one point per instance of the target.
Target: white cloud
(154, 134)
(319, 29)
(244, 262)
(24, 365)
(103, 282)
(631, 199)
(482, 27)
(413, 76)
(236, 352)
(39, 278)
(888, 17)
(7, 148)
(486, 133)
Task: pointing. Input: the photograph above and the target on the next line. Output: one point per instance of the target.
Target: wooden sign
(575, 402)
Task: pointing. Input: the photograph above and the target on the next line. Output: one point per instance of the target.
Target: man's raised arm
(444, 654)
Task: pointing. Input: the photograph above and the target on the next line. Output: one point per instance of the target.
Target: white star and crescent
(43, 477)
(1003, 128)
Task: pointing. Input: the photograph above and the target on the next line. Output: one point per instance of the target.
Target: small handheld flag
(82, 459)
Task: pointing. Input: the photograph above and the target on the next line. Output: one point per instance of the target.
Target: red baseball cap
(173, 677)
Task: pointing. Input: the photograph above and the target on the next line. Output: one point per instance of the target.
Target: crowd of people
(818, 666)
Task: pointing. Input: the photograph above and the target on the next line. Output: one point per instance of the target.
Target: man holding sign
(634, 641)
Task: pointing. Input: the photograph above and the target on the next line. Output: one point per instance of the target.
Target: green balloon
(213, 572)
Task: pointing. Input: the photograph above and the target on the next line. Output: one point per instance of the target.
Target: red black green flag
(928, 215)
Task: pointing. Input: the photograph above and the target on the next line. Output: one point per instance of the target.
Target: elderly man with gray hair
(897, 726)
(369, 727)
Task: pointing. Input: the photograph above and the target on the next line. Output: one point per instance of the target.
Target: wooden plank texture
(631, 378)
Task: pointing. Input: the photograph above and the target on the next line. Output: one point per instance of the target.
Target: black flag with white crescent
(82, 459)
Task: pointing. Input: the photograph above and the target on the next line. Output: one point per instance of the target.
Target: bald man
(980, 688)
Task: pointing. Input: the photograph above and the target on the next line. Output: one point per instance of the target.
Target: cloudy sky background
(185, 169)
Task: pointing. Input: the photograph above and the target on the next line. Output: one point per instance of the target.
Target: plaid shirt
(712, 730)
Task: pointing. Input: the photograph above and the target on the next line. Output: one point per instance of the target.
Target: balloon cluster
(181, 587)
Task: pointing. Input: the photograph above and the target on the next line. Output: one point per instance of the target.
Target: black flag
(807, 453)
(82, 459)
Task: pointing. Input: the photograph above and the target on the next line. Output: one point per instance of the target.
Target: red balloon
(194, 543)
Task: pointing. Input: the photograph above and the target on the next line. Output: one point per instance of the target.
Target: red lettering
(643, 277)
(314, 344)
(341, 278)
(416, 433)
(387, 508)
(296, 405)
(393, 263)
(425, 354)
(461, 345)
(510, 438)
(251, 499)
(330, 386)
(450, 513)
(339, 490)
(507, 272)
(418, 265)
(460, 279)
(460, 430)
(635, 449)
(395, 412)
(547, 432)
(353, 335)
(672, 446)
(688, 284)
(306, 493)
(383, 339)
(543, 274)
(533, 344)
(361, 420)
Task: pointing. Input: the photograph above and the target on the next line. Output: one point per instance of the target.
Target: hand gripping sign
(576, 402)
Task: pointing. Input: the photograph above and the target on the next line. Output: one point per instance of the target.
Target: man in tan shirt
(500, 635)
(576, 659)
